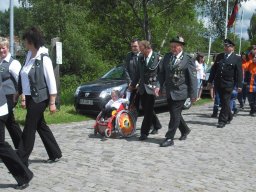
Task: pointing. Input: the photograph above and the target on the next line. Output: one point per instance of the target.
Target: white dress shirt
(14, 67)
(48, 72)
(148, 57)
(3, 110)
(178, 57)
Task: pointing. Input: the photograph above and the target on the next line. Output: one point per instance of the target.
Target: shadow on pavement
(4, 186)
(211, 124)
(198, 115)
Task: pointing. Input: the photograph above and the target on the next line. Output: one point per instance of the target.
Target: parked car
(92, 96)
(206, 89)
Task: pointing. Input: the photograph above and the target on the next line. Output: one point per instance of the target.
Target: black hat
(228, 42)
(177, 39)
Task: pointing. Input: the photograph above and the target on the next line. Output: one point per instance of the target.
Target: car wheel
(187, 104)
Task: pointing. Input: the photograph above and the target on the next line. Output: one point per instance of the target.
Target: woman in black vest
(38, 88)
(10, 69)
(13, 163)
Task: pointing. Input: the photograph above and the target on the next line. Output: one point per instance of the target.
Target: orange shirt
(251, 68)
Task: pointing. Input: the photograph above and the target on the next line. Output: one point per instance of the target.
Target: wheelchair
(122, 121)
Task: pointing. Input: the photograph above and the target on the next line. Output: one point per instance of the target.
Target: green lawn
(203, 101)
(67, 114)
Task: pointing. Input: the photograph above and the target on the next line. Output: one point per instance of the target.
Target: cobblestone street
(210, 160)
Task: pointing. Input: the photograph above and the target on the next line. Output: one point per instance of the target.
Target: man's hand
(193, 100)
(130, 88)
(156, 90)
(23, 104)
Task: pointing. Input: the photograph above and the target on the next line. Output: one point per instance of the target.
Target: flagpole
(241, 31)
(11, 28)
(209, 50)
(226, 27)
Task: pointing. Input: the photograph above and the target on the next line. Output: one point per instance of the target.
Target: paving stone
(210, 160)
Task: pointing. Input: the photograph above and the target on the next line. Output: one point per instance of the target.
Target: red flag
(232, 17)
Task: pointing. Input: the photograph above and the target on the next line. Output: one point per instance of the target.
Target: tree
(21, 21)
(150, 20)
(96, 34)
(252, 29)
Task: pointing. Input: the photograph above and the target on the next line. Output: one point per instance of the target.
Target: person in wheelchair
(113, 104)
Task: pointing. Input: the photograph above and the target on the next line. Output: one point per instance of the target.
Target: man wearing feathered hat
(179, 75)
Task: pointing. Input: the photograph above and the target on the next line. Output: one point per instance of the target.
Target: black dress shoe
(167, 142)
(143, 137)
(22, 186)
(52, 160)
(214, 115)
(154, 131)
(221, 125)
(236, 110)
(184, 136)
(253, 114)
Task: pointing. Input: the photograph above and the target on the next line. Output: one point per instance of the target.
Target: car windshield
(115, 73)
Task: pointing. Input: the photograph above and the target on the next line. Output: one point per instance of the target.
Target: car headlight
(77, 91)
(107, 92)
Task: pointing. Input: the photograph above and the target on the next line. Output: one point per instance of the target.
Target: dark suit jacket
(130, 66)
(146, 76)
(227, 73)
(180, 79)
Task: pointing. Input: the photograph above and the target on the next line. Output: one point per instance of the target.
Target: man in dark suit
(146, 75)
(226, 73)
(178, 72)
(131, 67)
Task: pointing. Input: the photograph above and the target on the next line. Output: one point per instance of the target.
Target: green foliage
(22, 19)
(66, 114)
(96, 34)
(252, 29)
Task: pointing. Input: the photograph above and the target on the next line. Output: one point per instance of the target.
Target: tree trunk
(147, 34)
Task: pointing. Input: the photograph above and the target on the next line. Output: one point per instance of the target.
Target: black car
(92, 96)
(206, 89)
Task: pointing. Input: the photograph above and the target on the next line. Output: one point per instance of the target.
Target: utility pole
(11, 29)
(226, 27)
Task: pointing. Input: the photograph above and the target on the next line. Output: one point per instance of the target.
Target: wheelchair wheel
(95, 132)
(107, 132)
(125, 123)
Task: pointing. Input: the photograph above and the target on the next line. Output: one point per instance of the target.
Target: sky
(4, 4)
(248, 7)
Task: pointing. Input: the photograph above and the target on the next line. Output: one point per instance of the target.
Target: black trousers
(176, 119)
(35, 122)
(225, 112)
(135, 100)
(252, 102)
(147, 102)
(11, 160)
(11, 125)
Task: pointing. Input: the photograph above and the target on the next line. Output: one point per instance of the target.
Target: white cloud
(6, 3)
(248, 7)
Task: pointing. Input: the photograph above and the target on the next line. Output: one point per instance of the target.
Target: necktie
(173, 59)
(225, 56)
